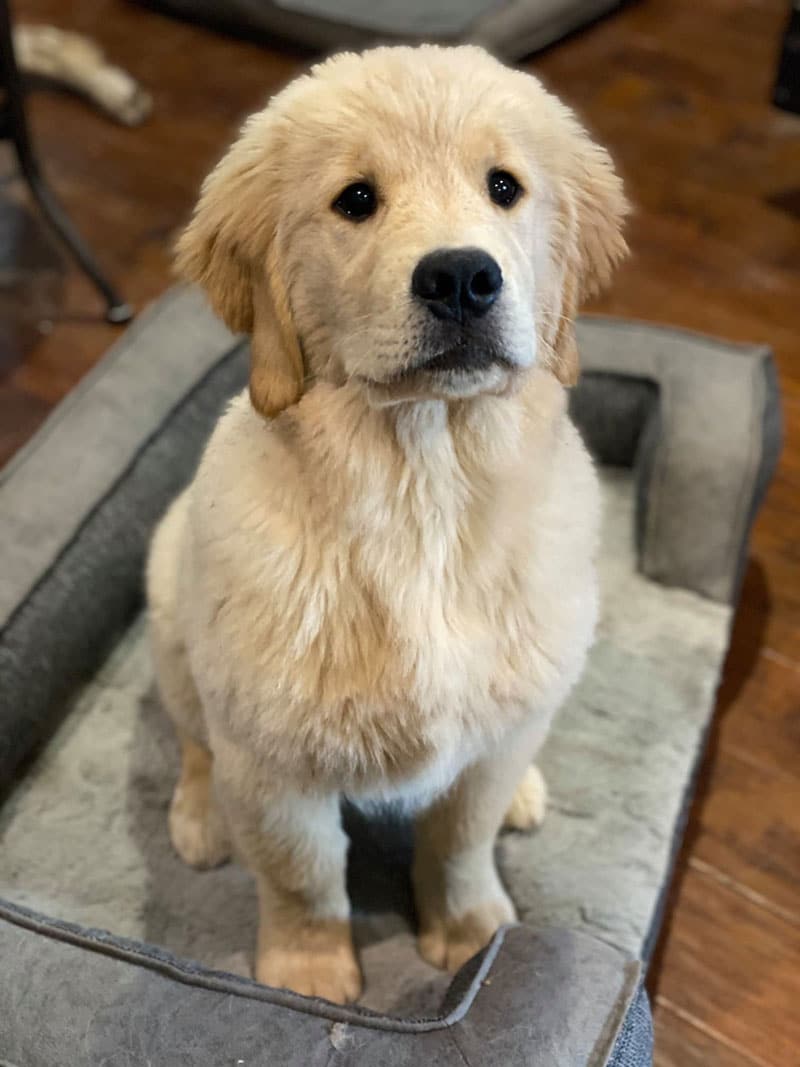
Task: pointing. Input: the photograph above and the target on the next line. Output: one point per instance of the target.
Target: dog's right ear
(230, 248)
(208, 251)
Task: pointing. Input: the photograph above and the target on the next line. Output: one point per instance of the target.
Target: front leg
(295, 845)
(460, 899)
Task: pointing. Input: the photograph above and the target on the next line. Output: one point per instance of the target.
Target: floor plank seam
(715, 1035)
(745, 756)
(784, 661)
(742, 890)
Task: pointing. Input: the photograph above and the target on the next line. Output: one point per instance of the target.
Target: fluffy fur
(381, 581)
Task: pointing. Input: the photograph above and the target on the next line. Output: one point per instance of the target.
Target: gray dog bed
(687, 432)
(509, 28)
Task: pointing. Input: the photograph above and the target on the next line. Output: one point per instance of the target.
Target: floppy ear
(230, 248)
(277, 372)
(587, 244)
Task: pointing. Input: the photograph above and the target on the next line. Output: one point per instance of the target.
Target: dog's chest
(376, 685)
(390, 626)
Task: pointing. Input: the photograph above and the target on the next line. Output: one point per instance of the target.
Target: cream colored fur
(78, 63)
(382, 584)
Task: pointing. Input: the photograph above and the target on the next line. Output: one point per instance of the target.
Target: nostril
(444, 286)
(482, 284)
(434, 285)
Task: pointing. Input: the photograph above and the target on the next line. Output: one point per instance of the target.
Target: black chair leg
(117, 311)
(14, 127)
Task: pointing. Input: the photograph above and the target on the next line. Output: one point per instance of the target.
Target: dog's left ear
(231, 248)
(587, 244)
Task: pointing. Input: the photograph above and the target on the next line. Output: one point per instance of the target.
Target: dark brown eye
(357, 202)
(504, 188)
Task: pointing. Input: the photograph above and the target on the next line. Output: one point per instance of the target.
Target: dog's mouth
(460, 359)
(460, 371)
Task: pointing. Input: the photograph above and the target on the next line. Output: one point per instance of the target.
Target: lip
(455, 360)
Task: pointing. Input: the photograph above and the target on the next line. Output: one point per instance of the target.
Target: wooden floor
(679, 90)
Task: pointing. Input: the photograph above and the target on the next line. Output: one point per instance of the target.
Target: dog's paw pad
(527, 809)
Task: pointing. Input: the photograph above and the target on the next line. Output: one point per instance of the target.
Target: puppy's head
(421, 221)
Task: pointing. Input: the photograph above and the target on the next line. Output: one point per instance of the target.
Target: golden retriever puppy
(380, 584)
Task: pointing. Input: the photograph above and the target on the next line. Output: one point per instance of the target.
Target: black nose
(457, 282)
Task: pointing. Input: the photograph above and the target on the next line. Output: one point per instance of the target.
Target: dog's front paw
(449, 942)
(528, 807)
(323, 967)
(197, 831)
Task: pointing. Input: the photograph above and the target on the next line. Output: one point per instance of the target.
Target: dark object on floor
(620, 764)
(787, 85)
(14, 127)
(31, 281)
(511, 28)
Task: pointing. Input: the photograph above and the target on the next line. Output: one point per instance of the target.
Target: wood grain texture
(732, 965)
(748, 830)
(680, 1041)
(679, 90)
(130, 190)
(761, 722)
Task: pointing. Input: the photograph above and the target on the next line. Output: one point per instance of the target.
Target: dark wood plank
(749, 829)
(760, 722)
(19, 411)
(733, 966)
(682, 1041)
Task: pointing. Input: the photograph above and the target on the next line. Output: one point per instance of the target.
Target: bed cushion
(703, 441)
(85, 833)
(510, 28)
(84, 827)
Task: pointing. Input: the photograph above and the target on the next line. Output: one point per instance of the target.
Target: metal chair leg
(117, 311)
(14, 127)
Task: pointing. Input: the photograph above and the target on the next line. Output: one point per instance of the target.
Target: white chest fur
(368, 608)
